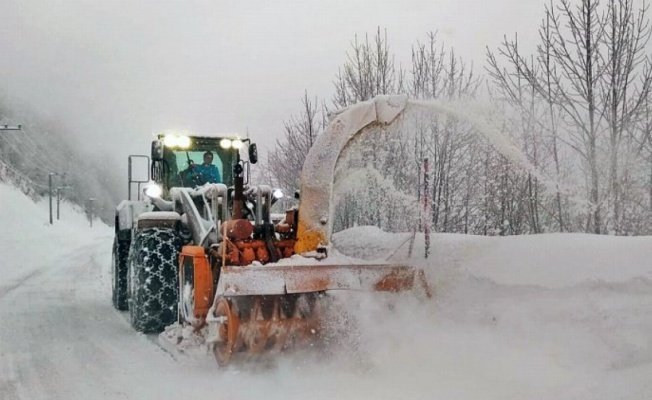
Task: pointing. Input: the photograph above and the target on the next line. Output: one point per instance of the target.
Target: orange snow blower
(201, 249)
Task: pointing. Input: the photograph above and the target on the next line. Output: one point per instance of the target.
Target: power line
(29, 147)
(35, 166)
(20, 175)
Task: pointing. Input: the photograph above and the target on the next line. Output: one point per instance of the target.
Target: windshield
(204, 162)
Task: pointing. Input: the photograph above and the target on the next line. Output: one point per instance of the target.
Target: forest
(578, 109)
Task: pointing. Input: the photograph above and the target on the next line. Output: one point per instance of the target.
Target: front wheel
(154, 279)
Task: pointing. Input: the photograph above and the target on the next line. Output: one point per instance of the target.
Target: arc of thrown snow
(315, 209)
(317, 178)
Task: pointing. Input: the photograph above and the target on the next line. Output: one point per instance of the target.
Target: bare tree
(368, 71)
(643, 141)
(549, 71)
(625, 84)
(595, 76)
(517, 93)
(444, 141)
(285, 162)
(571, 39)
(427, 69)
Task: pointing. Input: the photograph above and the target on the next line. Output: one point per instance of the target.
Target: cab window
(179, 160)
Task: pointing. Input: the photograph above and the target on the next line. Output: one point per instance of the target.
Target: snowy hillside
(532, 317)
(28, 242)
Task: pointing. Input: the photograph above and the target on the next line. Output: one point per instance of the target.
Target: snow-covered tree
(592, 72)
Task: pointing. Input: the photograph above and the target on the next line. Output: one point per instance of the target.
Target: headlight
(183, 142)
(154, 191)
(170, 141)
(231, 144)
(176, 141)
(225, 143)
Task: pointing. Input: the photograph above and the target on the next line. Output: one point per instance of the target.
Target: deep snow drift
(548, 316)
(560, 316)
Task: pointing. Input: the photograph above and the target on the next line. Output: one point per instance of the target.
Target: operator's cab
(178, 164)
(177, 160)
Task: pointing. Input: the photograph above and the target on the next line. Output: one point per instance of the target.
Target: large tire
(119, 269)
(154, 279)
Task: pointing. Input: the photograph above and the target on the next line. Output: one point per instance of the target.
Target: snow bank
(535, 317)
(551, 260)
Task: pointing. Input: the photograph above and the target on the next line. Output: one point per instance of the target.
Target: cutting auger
(202, 249)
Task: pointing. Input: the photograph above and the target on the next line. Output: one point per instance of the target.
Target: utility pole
(59, 189)
(50, 193)
(426, 206)
(90, 210)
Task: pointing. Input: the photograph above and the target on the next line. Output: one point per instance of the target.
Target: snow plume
(366, 196)
(490, 127)
(320, 165)
(480, 180)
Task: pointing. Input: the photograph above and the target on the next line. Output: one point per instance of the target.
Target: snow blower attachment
(249, 285)
(255, 298)
(259, 308)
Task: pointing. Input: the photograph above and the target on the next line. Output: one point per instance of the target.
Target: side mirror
(157, 150)
(253, 153)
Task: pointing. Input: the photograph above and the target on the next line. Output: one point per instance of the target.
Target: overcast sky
(118, 71)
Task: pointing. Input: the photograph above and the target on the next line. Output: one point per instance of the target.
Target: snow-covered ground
(560, 316)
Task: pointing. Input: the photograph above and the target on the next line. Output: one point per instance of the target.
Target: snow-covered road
(61, 339)
(501, 327)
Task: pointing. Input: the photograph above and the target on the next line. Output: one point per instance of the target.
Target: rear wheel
(119, 270)
(154, 279)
